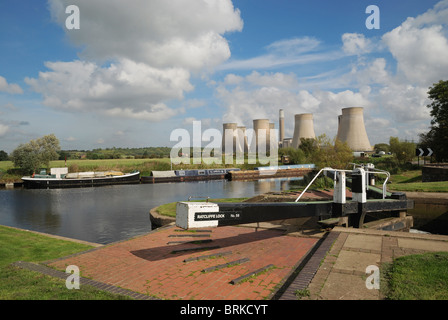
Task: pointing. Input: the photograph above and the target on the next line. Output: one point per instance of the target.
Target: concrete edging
(159, 220)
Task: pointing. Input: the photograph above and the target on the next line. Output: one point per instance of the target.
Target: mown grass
(417, 277)
(411, 181)
(169, 209)
(20, 284)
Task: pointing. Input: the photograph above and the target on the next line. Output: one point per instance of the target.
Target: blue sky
(136, 70)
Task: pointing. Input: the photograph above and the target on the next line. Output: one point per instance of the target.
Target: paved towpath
(162, 265)
(342, 273)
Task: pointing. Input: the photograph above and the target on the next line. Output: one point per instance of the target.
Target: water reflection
(112, 213)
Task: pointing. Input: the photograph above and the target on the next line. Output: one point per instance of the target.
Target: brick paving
(154, 266)
(242, 263)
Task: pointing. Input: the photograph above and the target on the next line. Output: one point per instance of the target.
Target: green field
(19, 284)
(411, 181)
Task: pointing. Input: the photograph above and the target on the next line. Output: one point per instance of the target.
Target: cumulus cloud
(355, 43)
(137, 55)
(11, 88)
(124, 88)
(262, 95)
(187, 34)
(393, 92)
(420, 46)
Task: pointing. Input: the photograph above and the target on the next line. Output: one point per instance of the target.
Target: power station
(351, 130)
(241, 140)
(228, 137)
(262, 129)
(303, 128)
(281, 126)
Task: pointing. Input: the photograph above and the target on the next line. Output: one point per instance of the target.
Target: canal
(112, 213)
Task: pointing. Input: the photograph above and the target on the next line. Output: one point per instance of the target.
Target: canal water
(112, 213)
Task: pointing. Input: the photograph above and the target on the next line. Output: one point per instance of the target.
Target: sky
(136, 70)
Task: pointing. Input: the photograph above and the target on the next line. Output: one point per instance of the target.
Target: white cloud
(394, 101)
(406, 102)
(136, 55)
(125, 88)
(355, 43)
(157, 112)
(11, 88)
(262, 95)
(160, 33)
(294, 46)
(286, 52)
(368, 73)
(420, 46)
(3, 129)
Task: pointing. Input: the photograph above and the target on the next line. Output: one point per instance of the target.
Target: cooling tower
(351, 129)
(262, 124)
(339, 125)
(271, 130)
(303, 128)
(228, 132)
(241, 140)
(281, 126)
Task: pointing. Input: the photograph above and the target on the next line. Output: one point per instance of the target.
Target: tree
(36, 154)
(296, 156)
(308, 145)
(3, 155)
(437, 137)
(335, 154)
(381, 147)
(403, 151)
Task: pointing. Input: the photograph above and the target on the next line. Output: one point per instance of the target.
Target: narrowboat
(60, 178)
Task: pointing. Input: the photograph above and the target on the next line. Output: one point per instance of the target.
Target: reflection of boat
(60, 178)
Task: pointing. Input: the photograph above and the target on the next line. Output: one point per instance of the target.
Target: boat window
(201, 172)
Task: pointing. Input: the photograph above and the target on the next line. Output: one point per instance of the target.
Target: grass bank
(19, 284)
(417, 277)
(411, 181)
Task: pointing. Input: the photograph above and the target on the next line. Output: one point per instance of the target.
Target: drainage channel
(225, 265)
